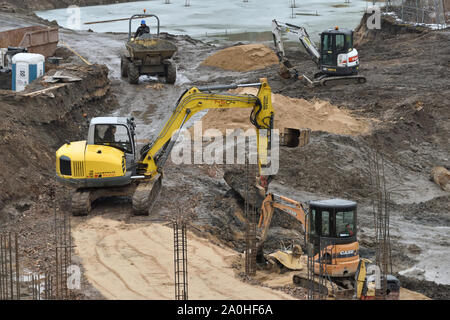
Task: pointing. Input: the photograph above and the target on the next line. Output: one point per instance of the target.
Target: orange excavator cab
(332, 231)
(329, 226)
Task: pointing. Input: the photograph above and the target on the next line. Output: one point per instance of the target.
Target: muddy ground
(406, 98)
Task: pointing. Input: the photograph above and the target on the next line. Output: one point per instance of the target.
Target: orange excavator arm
(272, 201)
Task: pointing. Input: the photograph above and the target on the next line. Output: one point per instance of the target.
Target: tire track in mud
(208, 284)
(117, 274)
(135, 261)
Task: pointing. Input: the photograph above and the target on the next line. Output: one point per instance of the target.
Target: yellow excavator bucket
(289, 259)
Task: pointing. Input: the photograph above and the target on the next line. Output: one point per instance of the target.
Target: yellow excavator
(106, 164)
(330, 232)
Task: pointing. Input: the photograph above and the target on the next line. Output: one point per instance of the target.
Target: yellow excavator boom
(193, 101)
(100, 168)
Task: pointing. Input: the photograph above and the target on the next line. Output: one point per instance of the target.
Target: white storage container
(25, 68)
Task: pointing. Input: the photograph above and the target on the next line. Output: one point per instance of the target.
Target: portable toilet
(25, 68)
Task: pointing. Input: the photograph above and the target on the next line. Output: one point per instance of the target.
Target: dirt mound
(242, 58)
(317, 115)
(441, 176)
(389, 29)
(135, 261)
(430, 289)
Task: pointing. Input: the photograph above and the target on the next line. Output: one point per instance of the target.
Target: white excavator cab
(337, 55)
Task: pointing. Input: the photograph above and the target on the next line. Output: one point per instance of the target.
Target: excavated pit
(409, 123)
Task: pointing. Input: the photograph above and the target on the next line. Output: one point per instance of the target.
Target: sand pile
(242, 58)
(135, 261)
(441, 176)
(317, 115)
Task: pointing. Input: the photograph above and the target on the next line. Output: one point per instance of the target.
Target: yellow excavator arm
(91, 167)
(193, 101)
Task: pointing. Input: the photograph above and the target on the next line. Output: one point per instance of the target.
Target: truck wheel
(133, 73)
(171, 75)
(124, 66)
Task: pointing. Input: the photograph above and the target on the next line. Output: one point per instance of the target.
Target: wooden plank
(35, 93)
(76, 53)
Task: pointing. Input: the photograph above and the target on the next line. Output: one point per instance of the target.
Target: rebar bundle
(16, 284)
(63, 255)
(9, 267)
(380, 207)
(180, 260)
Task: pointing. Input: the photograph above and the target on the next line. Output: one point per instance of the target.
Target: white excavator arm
(303, 36)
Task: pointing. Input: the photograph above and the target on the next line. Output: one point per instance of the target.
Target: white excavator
(336, 59)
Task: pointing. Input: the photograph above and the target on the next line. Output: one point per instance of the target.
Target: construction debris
(59, 76)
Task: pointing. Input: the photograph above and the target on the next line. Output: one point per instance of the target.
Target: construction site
(120, 181)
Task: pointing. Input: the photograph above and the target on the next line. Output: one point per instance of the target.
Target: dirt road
(135, 261)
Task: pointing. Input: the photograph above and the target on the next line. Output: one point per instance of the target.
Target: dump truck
(148, 54)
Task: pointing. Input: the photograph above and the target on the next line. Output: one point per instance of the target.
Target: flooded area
(216, 20)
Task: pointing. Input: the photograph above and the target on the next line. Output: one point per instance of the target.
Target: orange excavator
(330, 232)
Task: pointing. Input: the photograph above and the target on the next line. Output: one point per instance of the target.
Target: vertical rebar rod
(17, 267)
(56, 255)
(250, 227)
(61, 260)
(402, 9)
(5, 268)
(32, 287)
(11, 281)
(39, 286)
(65, 256)
(70, 247)
(185, 280)
(1, 268)
(175, 256)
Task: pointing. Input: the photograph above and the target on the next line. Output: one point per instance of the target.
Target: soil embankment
(32, 129)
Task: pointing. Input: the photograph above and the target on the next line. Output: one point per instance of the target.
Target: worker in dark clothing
(110, 134)
(142, 29)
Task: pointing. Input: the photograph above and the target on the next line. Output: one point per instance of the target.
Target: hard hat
(143, 22)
